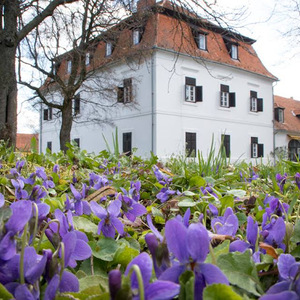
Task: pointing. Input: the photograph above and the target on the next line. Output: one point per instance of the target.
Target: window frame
(136, 37)
(49, 145)
(124, 93)
(227, 99)
(76, 105)
(190, 144)
(48, 114)
(225, 142)
(77, 141)
(193, 93)
(202, 37)
(257, 149)
(108, 48)
(87, 58)
(69, 66)
(127, 143)
(234, 53)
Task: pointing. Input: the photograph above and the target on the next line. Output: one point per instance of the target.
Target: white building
(195, 82)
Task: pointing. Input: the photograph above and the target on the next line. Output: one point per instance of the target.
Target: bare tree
(17, 20)
(69, 40)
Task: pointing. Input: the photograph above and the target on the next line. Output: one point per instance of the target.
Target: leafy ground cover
(83, 226)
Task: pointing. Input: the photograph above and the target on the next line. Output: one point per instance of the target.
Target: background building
(179, 82)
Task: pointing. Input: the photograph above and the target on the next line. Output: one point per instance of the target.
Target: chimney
(144, 4)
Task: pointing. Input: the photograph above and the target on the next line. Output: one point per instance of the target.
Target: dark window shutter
(127, 143)
(46, 114)
(190, 81)
(260, 151)
(50, 113)
(120, 94)
(127, 82)
(260, 104)
(226, 144)
(77, 104)
(49, 145)
(276, 114)
(199, 94)
(77, 141)
(224, 88)
(253, 94)
(231, 99)
(190, 139)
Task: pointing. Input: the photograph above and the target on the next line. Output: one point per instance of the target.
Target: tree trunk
(8, 83)
(66, 125)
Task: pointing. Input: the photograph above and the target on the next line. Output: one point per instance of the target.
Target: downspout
(41, 129)
(153, 95)
(273, 105)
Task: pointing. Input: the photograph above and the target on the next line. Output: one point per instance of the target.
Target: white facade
(160, 117)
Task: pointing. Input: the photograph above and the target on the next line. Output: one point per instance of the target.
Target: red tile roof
(166, 29)
(24, 141)
(291, 107)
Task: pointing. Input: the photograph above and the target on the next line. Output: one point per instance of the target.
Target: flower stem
(24, 240)
(139, 277)
(43, 232)
(36, 222)
(62, 247)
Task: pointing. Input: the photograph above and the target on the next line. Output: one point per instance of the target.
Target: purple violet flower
(81, 206)
(19, 192)
(109, 223)
(159, 289)
(190, 247)
(228, 224)
(2, 200)
(281, 179)
(164, 194)
(131, 209)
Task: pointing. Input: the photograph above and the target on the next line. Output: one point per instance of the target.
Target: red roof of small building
(23, 143)
(291, 107)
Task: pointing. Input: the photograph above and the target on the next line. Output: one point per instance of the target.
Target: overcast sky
(264, 21)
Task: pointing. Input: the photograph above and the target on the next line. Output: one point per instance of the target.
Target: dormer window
(232, 47)
(234, 51)
(279, 114)
(108, 49)
(202, 41)
(87, 58)
(136, 37)
(69, 66)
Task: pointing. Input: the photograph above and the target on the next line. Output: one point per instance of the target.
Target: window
(232, 47)
(193, 93)
(279, 114)
(257, 150)
(127, 143)
(225, 140)
(234, 51)
(136, 37)
(49, 146)
(202, 41)
(256, 104)
(294, 150)
(200, 38)
(227, 99)
(77, 142)
(76, 106)
(125, 92)
(48, 114)
(87, 58)
(69, 66)
(108, 49)
(190, 144)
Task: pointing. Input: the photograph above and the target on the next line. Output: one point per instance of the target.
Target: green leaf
(5, 213)
(187, 285)
(219, 292)
(84, 224)
(5, 294)
(227, 201)
(197, 181)
(296, 234)
(242, 218)
(237, 193)
(93, 282)
(240, 270)
(104, 249)
(187, 202)
(220, 249)
(125, 255)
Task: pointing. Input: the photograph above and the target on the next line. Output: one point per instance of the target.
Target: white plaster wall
(134, 117)
(175, 116)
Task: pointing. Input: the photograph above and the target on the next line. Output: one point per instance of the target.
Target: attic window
(87, 58)
(232, 48)
(279, 114)
(137, 36)
(108, 49)
(200, 38)
(69, 66)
